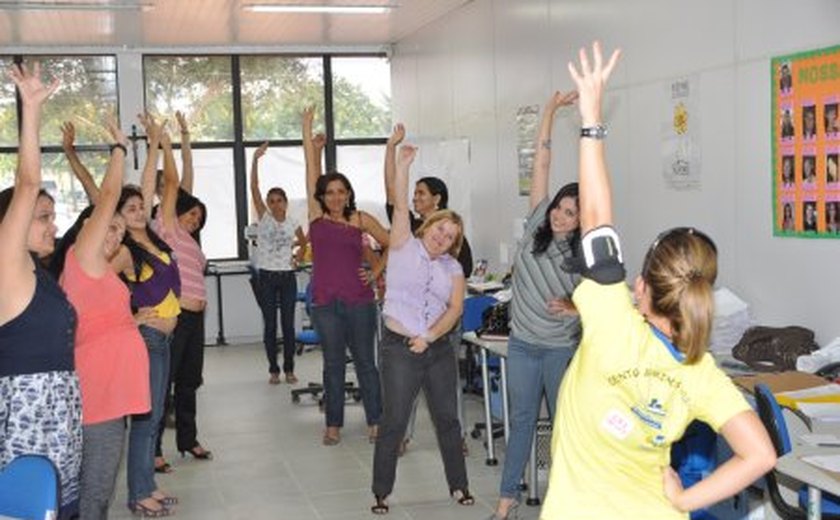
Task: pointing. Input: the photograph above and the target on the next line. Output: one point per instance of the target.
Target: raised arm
(391, 161)
(88, 247)
(170, 185)
(753, 457)
(312, 146)
(68, 144)
(595, 192)
(16, 278)
(149, 176)
(187, 173)
(542, 159)
(370, 225)
(256, 197)
(401, 221)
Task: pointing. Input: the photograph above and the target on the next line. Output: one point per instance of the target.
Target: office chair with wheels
(771, 416)
(29, 488)
(309, 336)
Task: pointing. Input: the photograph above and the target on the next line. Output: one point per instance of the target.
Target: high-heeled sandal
(201, 455)
(163, 468)
(380, 507)
(165, 500)
(330, 440)
(144, 511)
(463, 497)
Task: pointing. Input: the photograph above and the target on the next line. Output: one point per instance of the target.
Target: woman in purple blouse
(424, 299)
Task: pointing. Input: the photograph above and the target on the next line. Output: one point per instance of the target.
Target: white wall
(463, 77)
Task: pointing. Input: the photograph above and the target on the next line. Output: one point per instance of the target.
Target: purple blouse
(336, 259)
(417, 287)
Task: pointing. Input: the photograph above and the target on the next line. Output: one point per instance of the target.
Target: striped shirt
(191, 260)
(538, 279)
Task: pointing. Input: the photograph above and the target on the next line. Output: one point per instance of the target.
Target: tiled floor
(270, 464)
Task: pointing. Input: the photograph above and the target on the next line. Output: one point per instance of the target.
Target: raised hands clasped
(591, 79)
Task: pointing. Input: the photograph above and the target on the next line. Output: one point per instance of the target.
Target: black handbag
(495, 320)
(774, 349)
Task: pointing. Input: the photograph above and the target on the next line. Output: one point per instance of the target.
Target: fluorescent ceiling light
(74, 6)
(322, 8)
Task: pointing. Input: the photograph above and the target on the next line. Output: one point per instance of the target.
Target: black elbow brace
(599, 257)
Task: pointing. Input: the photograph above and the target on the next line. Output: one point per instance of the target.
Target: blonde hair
(680, 269)
(444, 214)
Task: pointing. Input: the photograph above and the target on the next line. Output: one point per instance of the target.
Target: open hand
(406, 156)
(591, 79)
(561, 307)
(397, 135)
(68, 135)
(32, 90)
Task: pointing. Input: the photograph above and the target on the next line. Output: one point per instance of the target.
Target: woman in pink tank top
(344, 311)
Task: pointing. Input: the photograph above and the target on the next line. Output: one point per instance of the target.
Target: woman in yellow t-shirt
(641, 374)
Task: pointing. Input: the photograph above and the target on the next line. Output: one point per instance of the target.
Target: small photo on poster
(831, 162)
(831, 119)
(785, 78)
(788, 177)
(788, 223)
(809, 215)
(832, 220)
(809, 122)
(787, 123)
(809, 171)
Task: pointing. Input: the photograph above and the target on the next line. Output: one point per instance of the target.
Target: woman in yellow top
(641, 374)
(149, 266)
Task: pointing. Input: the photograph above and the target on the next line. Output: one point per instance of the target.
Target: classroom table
(218, 270)
(499, 347)
(816, 479)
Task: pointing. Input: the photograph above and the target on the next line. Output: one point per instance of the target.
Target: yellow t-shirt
(625, 398)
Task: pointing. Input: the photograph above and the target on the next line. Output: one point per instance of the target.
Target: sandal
(274, 379)
(139, 509)
(380, 507)
(198, 452)
(161, 466)
(403, 447)
(463, 497)
(373, 433)
(291, 378)
(163, 499)
(331, 438)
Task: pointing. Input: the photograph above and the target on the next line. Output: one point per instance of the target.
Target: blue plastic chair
(771, 415)
(693, 458)
(307, 336)
(29, 488)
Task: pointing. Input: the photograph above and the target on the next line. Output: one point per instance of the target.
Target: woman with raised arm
(40, 403)
(110, 356)
(344, 311)
(275, 278)
(545, 328)
(149, 266)
(186, 361)
(641, 373)
(424, 299)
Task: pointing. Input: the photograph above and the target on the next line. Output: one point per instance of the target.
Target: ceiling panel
(167, 23)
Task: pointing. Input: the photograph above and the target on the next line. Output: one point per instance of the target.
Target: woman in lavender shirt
(424, 299)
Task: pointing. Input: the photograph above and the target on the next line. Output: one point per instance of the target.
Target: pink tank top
(111, 358)
(336, 259)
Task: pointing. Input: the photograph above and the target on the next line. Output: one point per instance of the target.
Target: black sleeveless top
(41, 338)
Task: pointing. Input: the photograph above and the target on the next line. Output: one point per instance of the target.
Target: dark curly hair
(543, 235)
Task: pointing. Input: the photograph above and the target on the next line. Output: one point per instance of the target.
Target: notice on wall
(806, 143)
(680, 136)
(527, 118)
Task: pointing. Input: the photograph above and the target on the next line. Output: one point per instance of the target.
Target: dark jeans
(185, 375)
(275, 287)
(341, 326)
(404, 373)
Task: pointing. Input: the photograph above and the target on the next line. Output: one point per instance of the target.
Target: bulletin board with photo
(806, 144)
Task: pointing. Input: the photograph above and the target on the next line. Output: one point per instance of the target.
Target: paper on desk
(816, 439)
(826, 462)
(820, 411)
(829, 393)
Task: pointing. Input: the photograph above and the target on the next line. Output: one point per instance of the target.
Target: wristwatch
(598, 131)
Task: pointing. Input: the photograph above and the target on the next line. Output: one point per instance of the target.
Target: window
(362, 97)
(235, 103)
(86, 97)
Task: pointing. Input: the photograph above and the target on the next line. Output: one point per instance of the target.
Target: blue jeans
(341, 327)
(531, 369)
(275, 287)
(144, 427)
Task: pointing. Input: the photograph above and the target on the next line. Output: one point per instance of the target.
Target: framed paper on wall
(806, 143)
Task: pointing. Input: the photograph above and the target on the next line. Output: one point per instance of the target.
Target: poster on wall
(806, 143)
(526, 134)
(680, 136)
